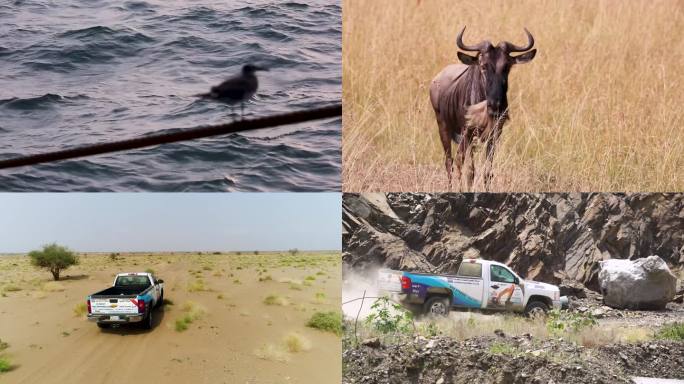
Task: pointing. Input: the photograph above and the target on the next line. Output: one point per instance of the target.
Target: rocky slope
(505, 359)
(546, 237)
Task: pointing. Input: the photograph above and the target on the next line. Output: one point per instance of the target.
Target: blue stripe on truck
(459, 298)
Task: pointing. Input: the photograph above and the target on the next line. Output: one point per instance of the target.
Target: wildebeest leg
(470, 171)
(463, 148)
(445, 136)
(491, 146)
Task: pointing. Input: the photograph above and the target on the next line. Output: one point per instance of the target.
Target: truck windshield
(131, 280)
(470, 270)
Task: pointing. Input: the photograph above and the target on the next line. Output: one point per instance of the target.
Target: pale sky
(122, 222)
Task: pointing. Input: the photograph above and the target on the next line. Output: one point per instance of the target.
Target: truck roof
(483, 261)
(133, 273)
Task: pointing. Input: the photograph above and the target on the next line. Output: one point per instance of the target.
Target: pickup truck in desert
(478, 284)
(130, 300)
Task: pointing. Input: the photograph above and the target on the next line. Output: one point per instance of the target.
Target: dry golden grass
(598, 109)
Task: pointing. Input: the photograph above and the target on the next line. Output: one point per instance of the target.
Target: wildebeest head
(494, 63)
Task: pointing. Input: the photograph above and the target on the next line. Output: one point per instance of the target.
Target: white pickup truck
(481, 284)
(130, 300)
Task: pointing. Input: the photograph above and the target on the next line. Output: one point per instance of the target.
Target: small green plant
(80, 309)
(310, 278)
(326, 321)
(196, 286)
(182, 323)
(5, 365)
(429, 329)
(150, 270)
(501, 349)
(3, 345)
(266, 278)
(674, 331)
(389, 317)
(563, 321)
(11, 288)
(275, 300)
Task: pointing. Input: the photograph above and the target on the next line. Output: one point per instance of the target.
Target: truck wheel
(437, 306)
(102, 325)
(161, 299)
(148, 321)
(536, 308)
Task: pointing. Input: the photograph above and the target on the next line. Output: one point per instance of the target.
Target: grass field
(598, 109)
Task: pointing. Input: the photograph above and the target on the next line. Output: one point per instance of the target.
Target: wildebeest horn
(510, 47)
(459, 42)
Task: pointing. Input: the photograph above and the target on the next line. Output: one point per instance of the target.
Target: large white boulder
(645, 283)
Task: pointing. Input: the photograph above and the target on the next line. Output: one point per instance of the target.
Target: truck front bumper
(117, 318)
(562, 303)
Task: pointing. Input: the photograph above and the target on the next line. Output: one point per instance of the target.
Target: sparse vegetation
(149, 270)
(326, 321)
(54, 258)
(275, 300)
(296, 343)
(53, 286)
(674, 331)
(196, 286)
(5, 365)
(11, 288)
(80, 309)
(501, 349)
(563, 321)
(389, 317)
(191, 312)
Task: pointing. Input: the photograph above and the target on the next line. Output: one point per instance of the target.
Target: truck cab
(130, 299)
(478, 284)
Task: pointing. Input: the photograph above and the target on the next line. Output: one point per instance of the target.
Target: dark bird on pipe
(237, 89)
(470, 100)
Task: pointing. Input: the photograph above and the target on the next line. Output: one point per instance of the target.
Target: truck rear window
(133, 280)
(470, 270)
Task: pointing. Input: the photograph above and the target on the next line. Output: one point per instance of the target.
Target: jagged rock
(645, 283)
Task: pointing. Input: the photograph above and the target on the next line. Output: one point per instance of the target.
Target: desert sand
(235, 336)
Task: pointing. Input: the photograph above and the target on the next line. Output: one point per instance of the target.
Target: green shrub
(54, 258)
(501, 349)
(389, 317)
(563, 321)
(326, 321)
(80, 309)
(674, 331)
(5, 365)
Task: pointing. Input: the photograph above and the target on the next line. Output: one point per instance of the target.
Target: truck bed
(122, 291)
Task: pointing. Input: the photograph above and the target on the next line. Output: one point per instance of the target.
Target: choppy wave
(108, 70)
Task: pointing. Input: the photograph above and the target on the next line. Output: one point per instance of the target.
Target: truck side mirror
(516, 280)
(160, 281)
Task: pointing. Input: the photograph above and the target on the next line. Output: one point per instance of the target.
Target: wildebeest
(470, 100)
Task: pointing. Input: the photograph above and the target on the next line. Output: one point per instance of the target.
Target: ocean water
(88, 71)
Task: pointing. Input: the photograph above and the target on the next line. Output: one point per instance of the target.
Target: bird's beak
(261, 69)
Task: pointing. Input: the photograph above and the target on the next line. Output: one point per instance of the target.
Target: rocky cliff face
(546, 237)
